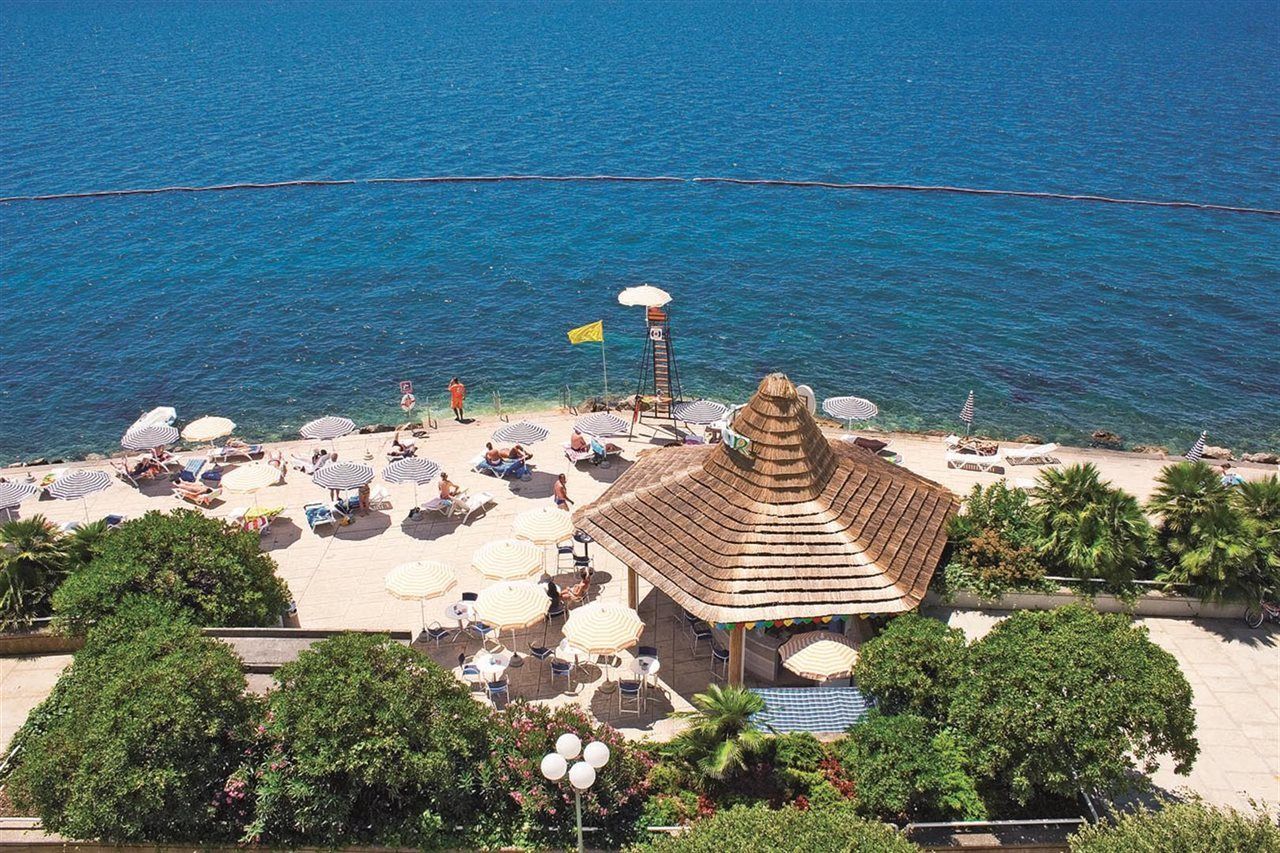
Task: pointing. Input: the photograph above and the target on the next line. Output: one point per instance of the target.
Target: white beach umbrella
(546, 525)
(14, 493)
(521, 432)
(328, 427)
(700, 412)
(147, 437)
(601, 424)
(419, 581)
(78, 485)
(644, 296)
(966, 413)
(511, 605)
(1197, 449)
(342, 475)
(411, 470)
(850, 409)
(507, 559)
(250, 477)
(208, 428)
(603, 629)
(819, 655)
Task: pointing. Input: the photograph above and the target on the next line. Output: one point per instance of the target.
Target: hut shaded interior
(790, 525)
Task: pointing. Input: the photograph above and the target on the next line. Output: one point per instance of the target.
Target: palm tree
(1070, 488)
(32, 563)
(721, 739)
(1260, 500)
(84, 543)
(1184, 493)
(1221, 557)
(1106, 537)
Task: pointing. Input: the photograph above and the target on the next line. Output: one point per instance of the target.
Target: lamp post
(582, 775)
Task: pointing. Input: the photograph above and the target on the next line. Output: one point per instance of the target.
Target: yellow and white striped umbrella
(603, 629)
(544, 526)
(208, 428)
(510, 605)
(508, 559)
(819, 655)
(251, 477)
(421, 580)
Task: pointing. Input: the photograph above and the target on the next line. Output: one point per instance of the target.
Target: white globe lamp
(596, 754)
(554, 766)
(569, 745)
(582, 776)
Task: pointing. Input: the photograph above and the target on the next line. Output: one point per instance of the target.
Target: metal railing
(566, 400)
(497, 406)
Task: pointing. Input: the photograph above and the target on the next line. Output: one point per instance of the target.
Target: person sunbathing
(578, 442)
(493, 456)
(519, 454)
(145, 467)
(577, 593)
(448, 490)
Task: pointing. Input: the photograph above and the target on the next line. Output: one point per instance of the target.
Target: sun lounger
(190, 472)
(301, 463)
(973, 460)
(576, 456)
(1038, 454)
(235, 451)
(506, 469)
(320, 515)
(255, 518)
(169, 461)
(380, 498)
(197, 493)
(124, 471)
(468, 505)
(444, 506)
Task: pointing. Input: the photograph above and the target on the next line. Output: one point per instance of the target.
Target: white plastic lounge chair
(380, 498)
(467, 505)
(444, 506)
(235, 451)
(966, 460)
(1038, 454)
(576, 456)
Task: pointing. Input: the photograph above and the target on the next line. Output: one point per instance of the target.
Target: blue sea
(277, 306)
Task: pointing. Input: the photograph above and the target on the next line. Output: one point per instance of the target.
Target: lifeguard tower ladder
(659, 385)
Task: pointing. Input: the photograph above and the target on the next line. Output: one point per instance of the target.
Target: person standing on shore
(457, 396)
(560, 493)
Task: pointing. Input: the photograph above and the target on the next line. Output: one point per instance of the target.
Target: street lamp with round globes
(582, 775)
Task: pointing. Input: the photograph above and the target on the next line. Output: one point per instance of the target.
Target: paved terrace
(337, 580)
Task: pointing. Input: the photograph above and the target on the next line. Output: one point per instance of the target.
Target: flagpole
(604, 365)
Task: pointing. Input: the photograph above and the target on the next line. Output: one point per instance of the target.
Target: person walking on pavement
(457, 395)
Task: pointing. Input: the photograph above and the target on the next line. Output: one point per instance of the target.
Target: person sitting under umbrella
(146, 466)
(448, 489)
(577, 593)
(578, 442)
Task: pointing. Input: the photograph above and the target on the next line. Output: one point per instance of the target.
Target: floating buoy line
(648, 179)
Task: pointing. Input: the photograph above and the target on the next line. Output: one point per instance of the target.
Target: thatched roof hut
(791, 525)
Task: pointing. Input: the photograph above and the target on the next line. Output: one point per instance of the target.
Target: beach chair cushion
(191, 471)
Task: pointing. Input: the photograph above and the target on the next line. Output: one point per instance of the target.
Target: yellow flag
(589, 333)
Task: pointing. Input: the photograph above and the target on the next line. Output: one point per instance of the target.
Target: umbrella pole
(422, 611)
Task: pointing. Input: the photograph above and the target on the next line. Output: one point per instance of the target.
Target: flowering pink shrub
(532, 809)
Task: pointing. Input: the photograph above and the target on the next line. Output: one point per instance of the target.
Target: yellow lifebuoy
(407, 401)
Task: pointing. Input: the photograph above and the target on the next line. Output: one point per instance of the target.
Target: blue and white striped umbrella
(699, 411)
(79, 484)
(342, 475)
(1197, 449)
(330, 426)
(966, 412)
(521, 432)
(601, 424)
(12, 494)
(411, 470)
(850, 408)
(147, 437)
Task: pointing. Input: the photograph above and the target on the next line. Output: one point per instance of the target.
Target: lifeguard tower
(658, 388)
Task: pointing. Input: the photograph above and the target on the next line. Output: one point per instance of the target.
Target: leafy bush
(993, 543)
(1089, 529)
(798, 751)
(34, 558)
(1191, 827)
(915, 664)
(1069, 699)
(365, 741)
(902, 771)
(531, 809)
(833, 829)
(213, 572)
(139, 735)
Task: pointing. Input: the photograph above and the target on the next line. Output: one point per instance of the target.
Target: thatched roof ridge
(797, 527)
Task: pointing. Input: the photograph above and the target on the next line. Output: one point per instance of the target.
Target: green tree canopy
(915, 665)
(34, 558)
(720, 741)
(365, 741)
(832, 829)
(1191, 827)
(1071, 699)
(903, 771)
(139, 736)
(213, 572)
(1184, 492)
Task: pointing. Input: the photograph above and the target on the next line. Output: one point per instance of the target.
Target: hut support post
(737, 654)
(633, 588)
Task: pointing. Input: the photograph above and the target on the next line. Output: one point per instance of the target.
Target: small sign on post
(735, 442)
(407, 400)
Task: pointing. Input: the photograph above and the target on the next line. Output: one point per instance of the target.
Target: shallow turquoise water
(275, 307)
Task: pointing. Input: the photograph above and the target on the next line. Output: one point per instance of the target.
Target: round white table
(571, 654)
(645, 666)
(492, 665)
